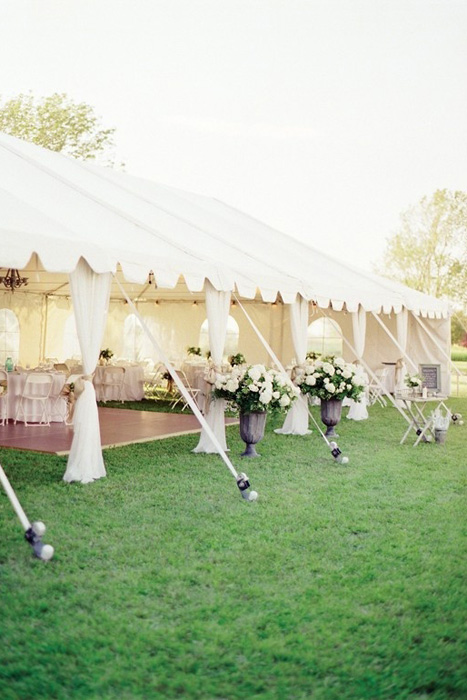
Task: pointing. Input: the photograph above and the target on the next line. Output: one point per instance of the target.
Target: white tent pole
(432, 337)
(179, 383)
(269, 349)
(394, 340)
(282, 369)
(370, 371)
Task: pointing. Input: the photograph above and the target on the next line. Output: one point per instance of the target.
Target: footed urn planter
(330, 415)
(252, 431)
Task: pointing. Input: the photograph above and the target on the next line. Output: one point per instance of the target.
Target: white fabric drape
(358, 409)
(90, 293)
(402, 326)
(217, 308)
(359, 331)
(296, 420)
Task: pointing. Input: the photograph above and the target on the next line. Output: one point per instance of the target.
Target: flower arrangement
(413, 381)
(194, 350)
(106, 354)
(237, 359)
(255, 389)
(312, 355)
(330, 378)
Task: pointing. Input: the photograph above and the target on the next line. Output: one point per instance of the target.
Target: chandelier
(13, 280)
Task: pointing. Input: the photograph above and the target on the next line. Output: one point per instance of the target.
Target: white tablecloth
(133, 386)
(57, 407)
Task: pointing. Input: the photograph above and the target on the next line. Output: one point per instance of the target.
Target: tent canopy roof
(63, 209)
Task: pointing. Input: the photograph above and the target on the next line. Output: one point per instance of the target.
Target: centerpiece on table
(238, 359)
(253, 392)
(414, 382)
(105, 356)
(331, 379)
(193, 351)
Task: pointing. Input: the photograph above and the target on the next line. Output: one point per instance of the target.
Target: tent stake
(239, 478)
(33, 533)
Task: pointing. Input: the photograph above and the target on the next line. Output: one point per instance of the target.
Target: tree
(429, 253)
(59, 124)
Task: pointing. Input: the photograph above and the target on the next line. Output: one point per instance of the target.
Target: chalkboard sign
(431, 376)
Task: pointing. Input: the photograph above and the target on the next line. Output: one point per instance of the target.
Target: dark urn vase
(330, 415)
(252, 431)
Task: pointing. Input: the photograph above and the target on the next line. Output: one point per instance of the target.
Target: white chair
(113, 379)
(3, 397)
(36, 391)
(191, 390)
(61, 367)
(376, 387)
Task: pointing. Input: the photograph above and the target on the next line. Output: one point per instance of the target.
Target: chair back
(3, 383)
(113, 376)
(38, 385)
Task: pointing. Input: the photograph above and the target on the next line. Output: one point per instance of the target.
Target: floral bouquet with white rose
(255, 389)
(413, 381)
(330, 378)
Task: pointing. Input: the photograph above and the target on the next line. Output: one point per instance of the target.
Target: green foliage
(339, 583)
(106, 354)
(57, 123)
(237, 359)
(459, 329)
(194, 350)
(429, 253)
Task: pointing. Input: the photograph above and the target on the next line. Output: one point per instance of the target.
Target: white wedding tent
(90, 240)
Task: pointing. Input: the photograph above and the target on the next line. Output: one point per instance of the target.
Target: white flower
(265, 397)
(219, 384)
(254, 373)
(349, 386)
(339, 362)
(253, 387)
(232, 385)
(347, 373)
(310, 380)
(329, 369)
(276, 394)
(331, 388)
(284, 400)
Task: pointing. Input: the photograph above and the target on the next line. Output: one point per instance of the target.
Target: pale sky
(323, 118)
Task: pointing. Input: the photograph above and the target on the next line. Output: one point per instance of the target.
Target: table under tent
(103, 246)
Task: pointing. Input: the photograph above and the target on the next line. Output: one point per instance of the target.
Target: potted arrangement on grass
(253, 392)
(331, 379)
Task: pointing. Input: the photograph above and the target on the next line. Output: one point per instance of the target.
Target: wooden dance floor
(119, 426)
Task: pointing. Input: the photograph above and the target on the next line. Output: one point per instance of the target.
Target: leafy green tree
(58, 123)
(429, 253)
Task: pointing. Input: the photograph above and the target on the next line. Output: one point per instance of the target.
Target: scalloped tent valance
(63, 209)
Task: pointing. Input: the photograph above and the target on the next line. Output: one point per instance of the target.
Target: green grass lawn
(339, 583)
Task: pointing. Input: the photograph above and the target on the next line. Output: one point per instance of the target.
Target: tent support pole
(432, 338)
(241, 479)
(280, 366)
(44, 327)
(394, 340)
(371, 373)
